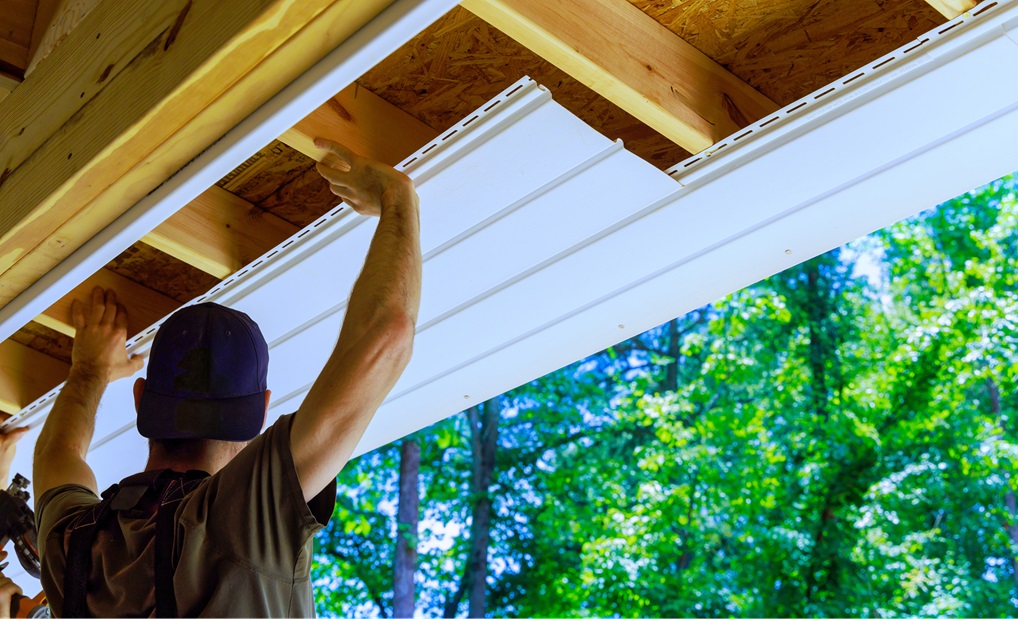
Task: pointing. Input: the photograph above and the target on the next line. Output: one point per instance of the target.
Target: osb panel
(460, 62)
(162, 272)
(302, 200)
(265, 172)
(786, 49)
(45, 340)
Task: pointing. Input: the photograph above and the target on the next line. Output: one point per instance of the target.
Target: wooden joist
(144, 305)
(17, 19)
(952, 8)
(633, 61)
(219, 233)
(365, 123)
(25, 375)
(135, 91)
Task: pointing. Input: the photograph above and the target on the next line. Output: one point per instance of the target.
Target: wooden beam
(638, 64)
(365, 123)
(25, 375)
(54, 20)
(137, 90)
(219, 233)
(17, 18)
(952, 8)
(144, 306)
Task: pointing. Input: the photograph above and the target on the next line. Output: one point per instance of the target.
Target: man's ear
(139, 388)
(268, 395)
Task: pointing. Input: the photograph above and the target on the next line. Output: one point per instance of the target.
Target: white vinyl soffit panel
(528, 216)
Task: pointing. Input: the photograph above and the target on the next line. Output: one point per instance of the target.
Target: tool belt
(165, 489)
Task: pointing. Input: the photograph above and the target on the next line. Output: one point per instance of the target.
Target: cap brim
(168, 417)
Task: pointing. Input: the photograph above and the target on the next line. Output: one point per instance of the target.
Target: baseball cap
(207, 376)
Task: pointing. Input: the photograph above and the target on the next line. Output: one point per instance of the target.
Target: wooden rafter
(952, 8)
(133, 93)
(364, 122)
(145, 306)
(25, 375)
(219, 233)
(635, 62)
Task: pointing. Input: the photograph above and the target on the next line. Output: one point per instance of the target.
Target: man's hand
(7, 446)
(366, 185)
(99, 356)
(101, 337)
(8, 589)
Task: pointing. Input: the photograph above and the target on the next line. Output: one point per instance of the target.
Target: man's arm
(376, 339)
(98, 357)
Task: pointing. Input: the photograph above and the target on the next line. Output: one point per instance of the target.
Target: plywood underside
(783, 48)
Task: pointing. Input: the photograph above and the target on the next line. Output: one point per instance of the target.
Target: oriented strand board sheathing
(265, 172)
(45, 340)
(164, 273)
(789, 48)
(302, 200)
(460, 62)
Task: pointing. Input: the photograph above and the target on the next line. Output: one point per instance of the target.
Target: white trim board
(529, 217)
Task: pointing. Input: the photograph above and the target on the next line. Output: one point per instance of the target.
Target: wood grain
(17, 18)
(219, 233)
(460, 62)
(952, 8)
(363, 122)
(25, 375)
(265, 171)
(786, 49)
(635, 62)
(214, 64)
(45, 340)
(144, 305)
(168, 275)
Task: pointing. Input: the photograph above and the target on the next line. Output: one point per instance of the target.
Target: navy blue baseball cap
(207, 375)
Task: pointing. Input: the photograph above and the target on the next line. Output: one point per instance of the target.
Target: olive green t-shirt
(242, 544)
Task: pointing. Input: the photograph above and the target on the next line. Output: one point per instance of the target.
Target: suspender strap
(166, 601)
(166, 522)
(79, 555)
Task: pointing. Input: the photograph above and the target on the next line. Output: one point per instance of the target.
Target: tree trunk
(1009, 498)
(671, 383)
(816, 315)
(407, 519)
(483, 446)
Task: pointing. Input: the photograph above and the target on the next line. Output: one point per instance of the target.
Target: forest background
(837, 440)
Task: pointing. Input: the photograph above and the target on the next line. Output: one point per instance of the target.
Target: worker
(8, 442)
(219, 524)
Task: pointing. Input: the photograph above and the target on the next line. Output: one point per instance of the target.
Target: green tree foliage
(838, 440)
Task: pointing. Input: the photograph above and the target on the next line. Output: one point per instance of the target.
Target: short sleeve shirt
(242, 543)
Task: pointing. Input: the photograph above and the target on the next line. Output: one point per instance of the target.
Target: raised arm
(376, 340)
(99, 357)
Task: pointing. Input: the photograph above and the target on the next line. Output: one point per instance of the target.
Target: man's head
(206, 379)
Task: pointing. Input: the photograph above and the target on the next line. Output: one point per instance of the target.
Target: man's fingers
(98, 305)
(110, 313)
(77, 315)
(121, 320)
(136, 362)
(337, 149)
(334, 176)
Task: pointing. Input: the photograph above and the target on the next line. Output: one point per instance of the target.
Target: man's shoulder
(60, 505)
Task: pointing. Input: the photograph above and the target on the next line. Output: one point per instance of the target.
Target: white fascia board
(544, 242)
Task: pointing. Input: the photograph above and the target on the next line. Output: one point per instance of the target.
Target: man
(237, 543)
